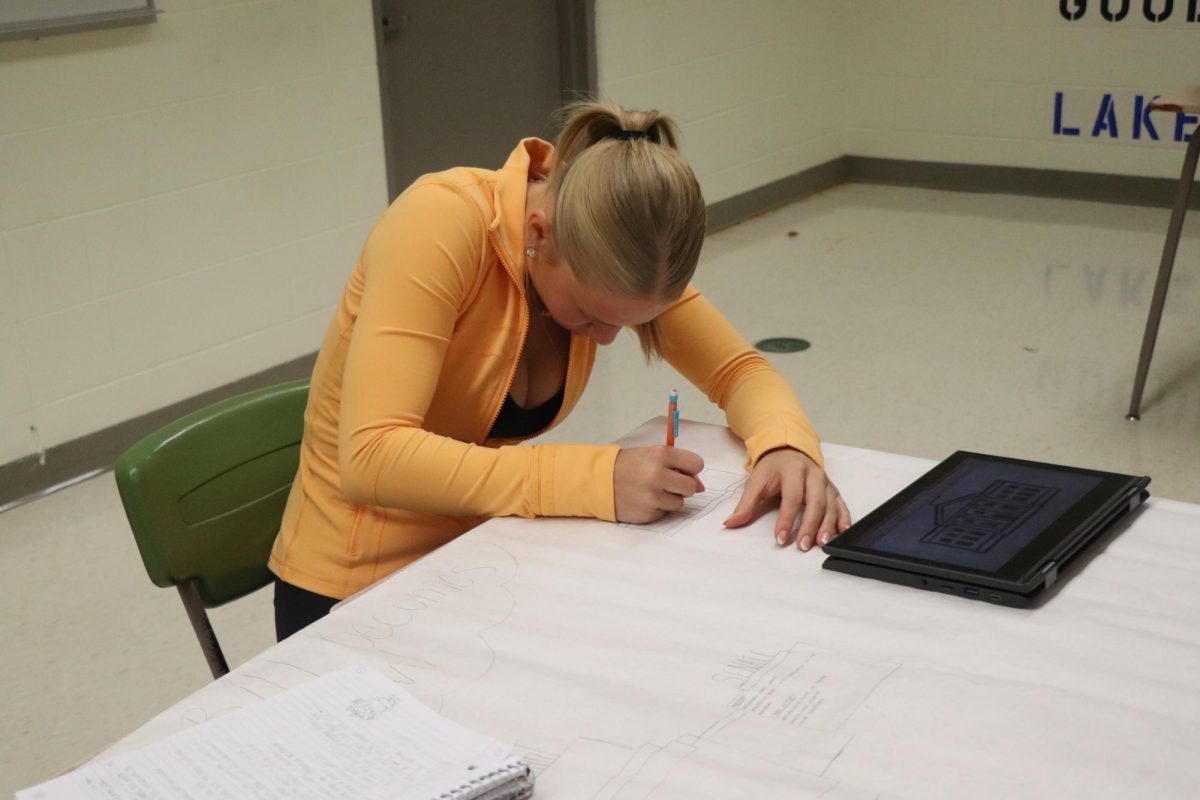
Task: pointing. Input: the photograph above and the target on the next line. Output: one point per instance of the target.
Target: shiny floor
(937, 321)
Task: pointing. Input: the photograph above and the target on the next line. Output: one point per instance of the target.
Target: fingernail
(824, 538)
(806, 543)
(781, 537)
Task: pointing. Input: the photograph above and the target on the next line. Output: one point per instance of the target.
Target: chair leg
(203, 628)
(1174, 229)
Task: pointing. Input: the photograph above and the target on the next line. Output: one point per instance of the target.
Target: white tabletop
(687, 661)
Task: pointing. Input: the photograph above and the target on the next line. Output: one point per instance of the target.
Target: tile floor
(938, 321)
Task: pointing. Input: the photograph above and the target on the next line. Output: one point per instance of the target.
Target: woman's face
(582, 310)
(590, 311)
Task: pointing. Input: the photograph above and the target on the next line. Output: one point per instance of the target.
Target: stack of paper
(352, 733)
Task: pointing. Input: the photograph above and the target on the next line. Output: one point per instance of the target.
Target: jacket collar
(529, 161)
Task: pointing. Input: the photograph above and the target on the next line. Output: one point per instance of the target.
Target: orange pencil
(672, 417)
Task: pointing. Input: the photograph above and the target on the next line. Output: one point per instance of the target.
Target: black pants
(296, 608)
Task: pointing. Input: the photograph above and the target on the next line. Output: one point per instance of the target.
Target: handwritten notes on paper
(803, 686)
(719, 484)
(351, 733)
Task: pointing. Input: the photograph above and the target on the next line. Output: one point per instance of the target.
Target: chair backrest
(205, 494)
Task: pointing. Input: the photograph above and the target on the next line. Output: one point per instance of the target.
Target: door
(463, 80)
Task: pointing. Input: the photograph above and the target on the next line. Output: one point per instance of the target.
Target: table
(684, 661)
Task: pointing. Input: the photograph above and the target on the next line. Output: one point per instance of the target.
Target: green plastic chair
(205, 496)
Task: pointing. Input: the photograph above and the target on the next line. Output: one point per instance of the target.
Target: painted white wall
(975, 82)
(766, 88)
(180, 204)
(754, 85)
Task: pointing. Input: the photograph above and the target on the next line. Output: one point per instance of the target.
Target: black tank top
(516, 422)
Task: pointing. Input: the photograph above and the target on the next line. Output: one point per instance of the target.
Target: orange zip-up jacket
(416, 364)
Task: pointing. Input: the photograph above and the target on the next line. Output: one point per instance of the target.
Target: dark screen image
(979, 515)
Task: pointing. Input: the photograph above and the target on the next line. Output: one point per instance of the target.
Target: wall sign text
(1119, 116)
(1118, 10)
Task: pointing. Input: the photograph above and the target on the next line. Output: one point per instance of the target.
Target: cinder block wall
(766, 88)
(1050, 84)
(755, 85)
(179, 205)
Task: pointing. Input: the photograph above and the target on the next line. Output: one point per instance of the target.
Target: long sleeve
(420, 266)
(758, 402)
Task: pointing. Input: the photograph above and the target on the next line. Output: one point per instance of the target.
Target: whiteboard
(32, 19)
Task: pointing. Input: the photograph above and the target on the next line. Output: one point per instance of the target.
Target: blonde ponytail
(629, 216)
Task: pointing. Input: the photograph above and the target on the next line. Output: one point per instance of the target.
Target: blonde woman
(470, 323)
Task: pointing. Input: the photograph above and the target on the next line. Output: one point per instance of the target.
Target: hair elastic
(627, 135)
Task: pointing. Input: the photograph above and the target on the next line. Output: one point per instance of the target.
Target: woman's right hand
(650, 481)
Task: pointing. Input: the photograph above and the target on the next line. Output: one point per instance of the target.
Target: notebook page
(349, 734)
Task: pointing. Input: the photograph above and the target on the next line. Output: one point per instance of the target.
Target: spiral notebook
(351, 733)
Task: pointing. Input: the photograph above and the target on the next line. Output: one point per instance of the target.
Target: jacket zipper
(526, 322)
(512, 375)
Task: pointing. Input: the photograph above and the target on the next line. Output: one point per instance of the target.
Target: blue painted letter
(1059, 130)
(1141, 118)
(1182, 119)
(1106, 118)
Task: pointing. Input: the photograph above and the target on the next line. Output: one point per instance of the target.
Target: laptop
(985, 527)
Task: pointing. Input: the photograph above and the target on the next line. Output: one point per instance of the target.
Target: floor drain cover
(782, 344)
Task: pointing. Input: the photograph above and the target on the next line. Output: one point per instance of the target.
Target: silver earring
(531, 251)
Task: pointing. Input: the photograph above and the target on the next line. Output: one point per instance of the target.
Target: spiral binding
(483, 786)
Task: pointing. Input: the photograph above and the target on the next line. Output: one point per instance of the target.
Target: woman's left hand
(797, 481)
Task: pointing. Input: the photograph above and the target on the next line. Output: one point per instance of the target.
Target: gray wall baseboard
(739, 208)
(34, 475)
(1062, 184)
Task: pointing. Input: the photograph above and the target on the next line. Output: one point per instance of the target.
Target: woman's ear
(537, 228)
